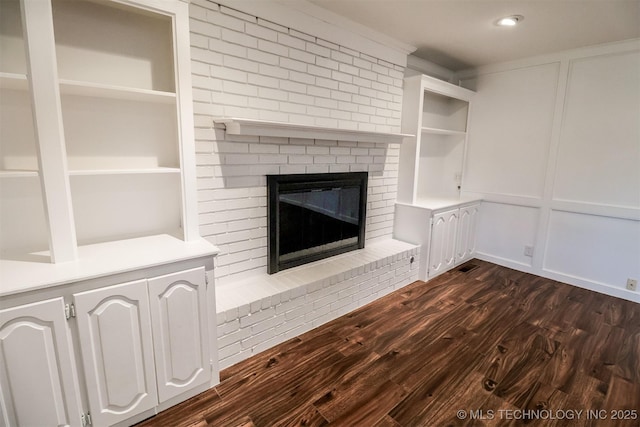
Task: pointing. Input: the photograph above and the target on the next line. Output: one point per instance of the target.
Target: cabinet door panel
(37, 376)
(178, 312)
(442, 253)
(466, 242)
(115, 339)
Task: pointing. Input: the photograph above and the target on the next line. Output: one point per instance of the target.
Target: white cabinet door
(179, 316)
(442, 253)
(466, 241)
(117, 352)
(37, 373)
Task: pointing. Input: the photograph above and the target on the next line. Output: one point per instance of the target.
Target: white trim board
(568, 55)
(562, 277)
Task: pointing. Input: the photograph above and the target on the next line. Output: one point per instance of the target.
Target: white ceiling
(460, 34)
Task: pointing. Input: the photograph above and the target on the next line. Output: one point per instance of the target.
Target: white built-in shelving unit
(23, 225)
(100, 256)
(431, 163)
(96, 142)
(431, 209)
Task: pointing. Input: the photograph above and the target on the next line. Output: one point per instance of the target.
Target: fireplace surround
(314, 216)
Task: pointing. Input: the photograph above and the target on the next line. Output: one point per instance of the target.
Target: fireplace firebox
(314, 216)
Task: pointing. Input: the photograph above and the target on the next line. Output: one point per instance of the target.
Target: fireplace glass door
(314, 216)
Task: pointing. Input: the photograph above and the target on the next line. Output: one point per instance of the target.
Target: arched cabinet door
(466, 244)
(180, 333)
(117, 351)
(442, 253)
(38, 384)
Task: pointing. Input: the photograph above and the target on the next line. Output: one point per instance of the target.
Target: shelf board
(99, 90)
(237, 126)
(13, 81)
(18, 173)
(437, 131)
(141, 171)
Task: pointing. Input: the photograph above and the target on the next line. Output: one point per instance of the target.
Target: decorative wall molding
(568, 55)
(587, 238)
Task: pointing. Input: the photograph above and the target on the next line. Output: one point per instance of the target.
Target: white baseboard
(580, 282)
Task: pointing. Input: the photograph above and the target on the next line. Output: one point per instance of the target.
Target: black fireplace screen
(314, 216)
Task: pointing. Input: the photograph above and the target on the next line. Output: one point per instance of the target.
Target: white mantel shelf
(236, 126)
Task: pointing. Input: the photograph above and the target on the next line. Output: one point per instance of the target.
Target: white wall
(554, 149)
(248, 66)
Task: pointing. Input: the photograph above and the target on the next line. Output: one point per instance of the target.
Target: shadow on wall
(244, 161)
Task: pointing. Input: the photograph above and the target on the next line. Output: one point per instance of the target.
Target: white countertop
(35, 271)
(436, 203)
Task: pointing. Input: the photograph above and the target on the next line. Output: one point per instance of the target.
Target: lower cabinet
(117, 351)
(141, 343)
(38, 381)
(466, 233)
(442, 253)
(178, 306)
(453, 238)
(447, 235)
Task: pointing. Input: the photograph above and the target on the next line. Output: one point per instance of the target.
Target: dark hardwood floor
(505, 347)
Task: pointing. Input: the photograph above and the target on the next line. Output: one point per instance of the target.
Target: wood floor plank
(307, 416)
(469, 396)
(622, 403)
(547, 398)
(373, 408)
(567, 361)
(627, 363)
(490, 340)
(507, 353)
(587, 393)
(414, 409)
(271, 365)
(519, 383)
(305, 385)
(353, 389)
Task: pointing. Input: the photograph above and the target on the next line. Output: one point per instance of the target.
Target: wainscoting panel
(603, 250)
(599, 148)
(503, 232)
(554, 152)
(511, 126)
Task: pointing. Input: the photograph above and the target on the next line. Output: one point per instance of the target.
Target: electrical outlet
(528, 251)
(632, 284)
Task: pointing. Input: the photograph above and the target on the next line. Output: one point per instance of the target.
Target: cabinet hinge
(85, 419)
(69, 311)
(206, 279)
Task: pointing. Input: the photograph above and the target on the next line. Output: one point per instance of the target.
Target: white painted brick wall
(245, 66)
(249, 327)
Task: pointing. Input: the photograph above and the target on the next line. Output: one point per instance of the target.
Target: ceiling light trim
(509, 21)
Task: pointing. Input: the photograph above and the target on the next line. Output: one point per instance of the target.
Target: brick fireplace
(248, 66)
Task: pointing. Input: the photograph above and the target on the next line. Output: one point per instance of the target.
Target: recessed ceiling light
(509, 21)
